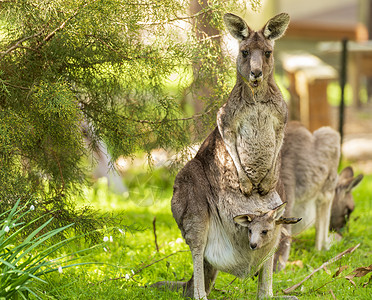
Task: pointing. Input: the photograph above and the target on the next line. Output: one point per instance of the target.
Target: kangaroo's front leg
(265, 280)
(270, 180)
(228, 135)
(199, 283)
(323, 217)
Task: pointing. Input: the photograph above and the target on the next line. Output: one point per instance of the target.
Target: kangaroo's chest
(259, 135)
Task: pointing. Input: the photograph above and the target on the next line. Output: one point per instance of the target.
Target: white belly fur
(230, 257)
(306, 211)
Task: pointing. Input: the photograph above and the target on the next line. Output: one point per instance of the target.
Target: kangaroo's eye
(268, 54)
(250, 231)
(264, 232)
(245, 53)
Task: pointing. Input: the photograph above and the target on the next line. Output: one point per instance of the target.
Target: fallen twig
(154, 262)
(155, 236)
(141, 269)
(333, 295)
(337, 257)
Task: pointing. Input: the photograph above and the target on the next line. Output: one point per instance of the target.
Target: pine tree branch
(196, 116)
(63, 24)
(200, 13)
(19, 43)
(16, 86)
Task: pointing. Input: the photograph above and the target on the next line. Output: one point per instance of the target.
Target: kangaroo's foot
(169, 285)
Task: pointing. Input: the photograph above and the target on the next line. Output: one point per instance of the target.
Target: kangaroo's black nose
(253, 246)
(256, 73)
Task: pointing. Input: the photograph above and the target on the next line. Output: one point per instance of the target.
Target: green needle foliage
(97, 68)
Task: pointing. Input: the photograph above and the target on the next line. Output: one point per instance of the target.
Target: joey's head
(262, 227)
(343, 202)
(255, 62)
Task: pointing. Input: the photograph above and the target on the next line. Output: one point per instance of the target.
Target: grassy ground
(132, 261)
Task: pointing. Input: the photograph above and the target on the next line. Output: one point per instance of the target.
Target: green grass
(132, 262)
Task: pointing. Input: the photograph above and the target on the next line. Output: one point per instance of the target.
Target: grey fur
(309, 175)
(235, 173)
(252, 121)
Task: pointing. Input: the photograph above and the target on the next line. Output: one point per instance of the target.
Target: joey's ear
(288, 220)
(277, 212)
(244, 220)
(236, 26)
(276, 26)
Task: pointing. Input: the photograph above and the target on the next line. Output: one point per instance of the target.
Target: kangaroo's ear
(354, 182)
(346, 173)
(346, 179)
(277, 212)
(244, 220)
(288, 220)
(236, 26)
(276, 26)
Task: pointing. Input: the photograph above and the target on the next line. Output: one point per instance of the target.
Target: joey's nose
(256, 74)
(253, 246)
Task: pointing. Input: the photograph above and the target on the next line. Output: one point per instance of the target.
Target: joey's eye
(250, 231)
(245, 53)
(264, 232)
(268, 54)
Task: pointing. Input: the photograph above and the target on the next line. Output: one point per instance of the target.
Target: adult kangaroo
(252, 121)
(224, 200)
(309, 176)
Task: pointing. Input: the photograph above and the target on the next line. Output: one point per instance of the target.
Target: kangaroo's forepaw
(263, 190)
(265, 187)
(245, 185)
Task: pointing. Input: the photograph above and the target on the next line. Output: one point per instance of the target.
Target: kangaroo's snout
(253, 246)
(256, 74)
(255, 77)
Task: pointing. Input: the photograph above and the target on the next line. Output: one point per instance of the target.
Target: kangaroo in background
(252, 121)
(343, 202)
(309, 175)
(225, 200)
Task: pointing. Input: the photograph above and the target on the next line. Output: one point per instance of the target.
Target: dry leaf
(297, 263)
(339, 271)
(362, 271)
(359, 272)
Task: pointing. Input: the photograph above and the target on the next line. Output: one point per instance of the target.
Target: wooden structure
(359, 62)
(309, 77)
(311, 30)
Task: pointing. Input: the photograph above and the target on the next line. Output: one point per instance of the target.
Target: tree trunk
(202, 90)
(369, 27)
